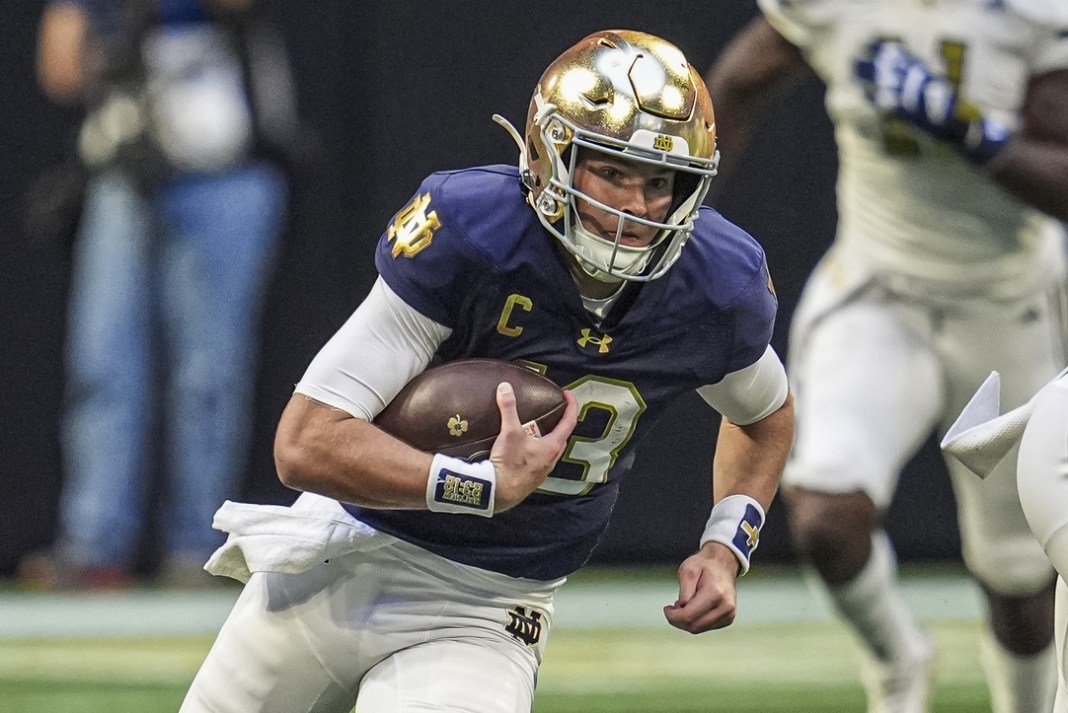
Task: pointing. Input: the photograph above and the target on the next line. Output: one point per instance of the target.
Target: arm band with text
(735, 522)
(458, 487)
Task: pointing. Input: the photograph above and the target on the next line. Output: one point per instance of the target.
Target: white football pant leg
(868, 394)
(448, 676)
(261, 661)
(996, 541)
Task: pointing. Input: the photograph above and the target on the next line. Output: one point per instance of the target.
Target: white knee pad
(837, 478)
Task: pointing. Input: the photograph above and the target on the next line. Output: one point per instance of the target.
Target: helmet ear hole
(685, 186)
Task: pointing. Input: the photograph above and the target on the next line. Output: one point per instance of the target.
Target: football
(452, 408)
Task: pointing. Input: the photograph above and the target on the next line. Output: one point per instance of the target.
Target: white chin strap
(595, 255)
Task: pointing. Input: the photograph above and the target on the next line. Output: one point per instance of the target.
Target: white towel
(980, 438)
(273, 538)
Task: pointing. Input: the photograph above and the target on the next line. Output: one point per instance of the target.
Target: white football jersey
(909, 205)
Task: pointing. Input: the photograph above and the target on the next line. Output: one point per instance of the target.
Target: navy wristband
(735, 522)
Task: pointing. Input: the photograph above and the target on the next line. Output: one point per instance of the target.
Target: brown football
(452, 408)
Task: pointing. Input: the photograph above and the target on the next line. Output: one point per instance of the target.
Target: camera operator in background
(189, 110)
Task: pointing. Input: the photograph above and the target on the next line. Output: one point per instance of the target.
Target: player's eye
(609, 172)
(660, 184)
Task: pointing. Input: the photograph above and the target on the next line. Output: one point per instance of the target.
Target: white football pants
(875, 373)
(391, 628)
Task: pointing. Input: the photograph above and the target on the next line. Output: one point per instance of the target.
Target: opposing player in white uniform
(952, 130)
(1042, 468)
(592, 261)
(981, 439)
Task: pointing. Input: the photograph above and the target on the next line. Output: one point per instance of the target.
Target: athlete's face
(637, 189)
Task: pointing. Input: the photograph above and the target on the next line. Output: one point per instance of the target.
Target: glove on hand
(896, 81)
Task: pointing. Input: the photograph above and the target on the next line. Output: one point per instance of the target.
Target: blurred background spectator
(174, 206)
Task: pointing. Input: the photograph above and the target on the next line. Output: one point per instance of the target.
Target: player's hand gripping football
(900, 83)
(708, 598)
(521, 460)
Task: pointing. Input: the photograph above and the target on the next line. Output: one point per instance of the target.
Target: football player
(980, 439)
(593, 262)
(953, 156)
(1042, 465)
(179, 219)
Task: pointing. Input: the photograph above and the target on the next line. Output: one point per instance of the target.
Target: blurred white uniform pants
(387, 625)
(875, 372)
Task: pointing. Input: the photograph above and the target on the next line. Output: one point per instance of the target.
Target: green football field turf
(759, 669)
(608, 651)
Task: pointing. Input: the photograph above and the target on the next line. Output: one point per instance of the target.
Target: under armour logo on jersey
(602, 341)
(524, 627)
(413, 229)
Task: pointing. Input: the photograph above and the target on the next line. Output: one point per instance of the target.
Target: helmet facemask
(607, 258)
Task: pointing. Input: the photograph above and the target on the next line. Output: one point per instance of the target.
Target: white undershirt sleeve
(382, 346)
(750, 394)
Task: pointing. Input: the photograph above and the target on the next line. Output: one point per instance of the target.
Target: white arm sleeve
(382, 346)
(748, 395)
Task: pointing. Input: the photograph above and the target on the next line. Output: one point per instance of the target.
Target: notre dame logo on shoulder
(413, 229)
(523, 626)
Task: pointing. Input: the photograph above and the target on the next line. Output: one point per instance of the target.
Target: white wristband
(461, 488)
(735, 522)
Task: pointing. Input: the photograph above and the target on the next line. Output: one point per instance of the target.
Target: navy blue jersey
(470, 254)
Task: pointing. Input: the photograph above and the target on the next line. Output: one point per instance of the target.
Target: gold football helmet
(632, 95)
